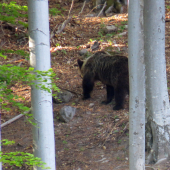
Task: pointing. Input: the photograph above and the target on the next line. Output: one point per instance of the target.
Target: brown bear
(111, 71)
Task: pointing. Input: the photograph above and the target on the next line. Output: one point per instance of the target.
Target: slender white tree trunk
(137, 86)
(39, 43)
(157, 100)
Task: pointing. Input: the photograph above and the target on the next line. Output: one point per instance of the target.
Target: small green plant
(7, 142)
(102, 24)
(19, 159)
(57, 45)
(168, 6)
(64, 142)
(98, 83)
(64, 51)
(101, 34)
(66, 149)
(82, 149)
(54, 11)
(123, 125)
(101, 30)
(116, 131)
(110, 35)
(121, 28)
(116, 117)
(119, 141)
(124, 22)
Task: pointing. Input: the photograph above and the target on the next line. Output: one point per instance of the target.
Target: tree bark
(41, 101)
(157, 100)
(137, 86)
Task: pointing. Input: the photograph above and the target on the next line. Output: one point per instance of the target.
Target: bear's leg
(110, 94)
(88, 84)
(119, 98)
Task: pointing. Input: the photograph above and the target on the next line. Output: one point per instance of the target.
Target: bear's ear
(80, 63)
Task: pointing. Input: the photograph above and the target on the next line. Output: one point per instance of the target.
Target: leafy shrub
(11, 12)
(20, 159)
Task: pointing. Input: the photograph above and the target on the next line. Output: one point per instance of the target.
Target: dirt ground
(97, 137)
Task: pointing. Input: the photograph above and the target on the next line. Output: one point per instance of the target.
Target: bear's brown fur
(111, 71)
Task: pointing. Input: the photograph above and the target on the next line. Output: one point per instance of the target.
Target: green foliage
(20, 159)
(54, 11)
(57, 45)
(168, 6)
(18, 52)
(11, 12)
(121, 28)
(119, 141)
(64, 51)
(7, 142)
(64, 142)
(11, 75)
(124, 22)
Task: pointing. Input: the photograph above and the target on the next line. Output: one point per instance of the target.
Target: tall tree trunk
(39, 43)
(137, 86)
(157, 100)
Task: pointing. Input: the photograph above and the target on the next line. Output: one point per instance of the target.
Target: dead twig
(92, 10)
(71, 8)
(102, 9)
(70, 91)
(1, 45)
(82, 7)
(121, 34)
(62, 26)
(52, 33)
(120, 166)
(15, 118)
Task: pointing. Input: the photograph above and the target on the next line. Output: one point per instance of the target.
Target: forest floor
(97, 137)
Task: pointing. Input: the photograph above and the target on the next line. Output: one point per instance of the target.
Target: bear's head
(80, 64)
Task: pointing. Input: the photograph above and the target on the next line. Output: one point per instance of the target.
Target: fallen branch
(14, 118)
(52, 33)
(82, 7)
(62, 26)
(92, 10)
(71, 8)
(121, 34)
(102, 9)
(70, 91)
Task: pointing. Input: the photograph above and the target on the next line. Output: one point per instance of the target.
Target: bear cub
(111, 71)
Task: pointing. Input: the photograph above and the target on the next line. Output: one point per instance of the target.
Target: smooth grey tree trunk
(39, 44)
(157, 100)
(137, 86)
